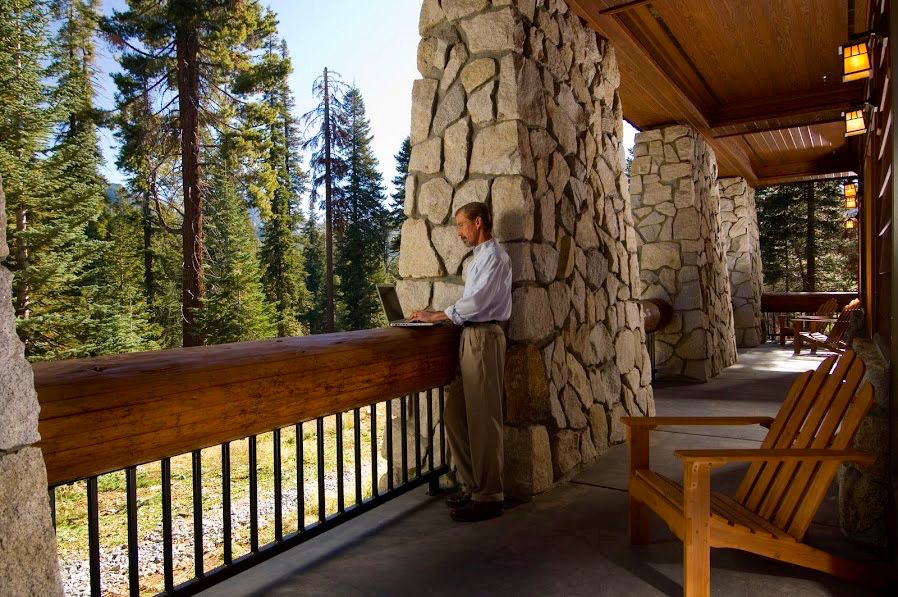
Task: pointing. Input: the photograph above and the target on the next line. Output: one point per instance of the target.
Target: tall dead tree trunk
(187, 50)
(811, 239)
(328, 211)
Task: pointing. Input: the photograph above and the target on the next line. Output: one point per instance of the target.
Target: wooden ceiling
(760, 79)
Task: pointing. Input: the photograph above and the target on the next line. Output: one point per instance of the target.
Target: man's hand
(428, 316)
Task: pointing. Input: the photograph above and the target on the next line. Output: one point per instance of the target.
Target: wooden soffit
(760, 79)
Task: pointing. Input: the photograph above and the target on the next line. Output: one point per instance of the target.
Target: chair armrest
(658, 421)
(718, 457)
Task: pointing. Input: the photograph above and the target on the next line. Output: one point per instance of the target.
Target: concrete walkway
(571, 540)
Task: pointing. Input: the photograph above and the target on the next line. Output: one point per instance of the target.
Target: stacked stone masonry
(518, 107)
(739, 228)
(676, 207)
(28, 564)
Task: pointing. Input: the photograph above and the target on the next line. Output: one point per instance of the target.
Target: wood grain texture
(107, 413)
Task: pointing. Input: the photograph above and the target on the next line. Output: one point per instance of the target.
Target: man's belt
(476, 323)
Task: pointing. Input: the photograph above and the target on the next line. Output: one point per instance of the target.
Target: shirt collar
(483, 245)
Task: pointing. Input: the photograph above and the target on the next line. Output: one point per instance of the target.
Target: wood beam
(623, 7)
(796, 109)
(835, 165)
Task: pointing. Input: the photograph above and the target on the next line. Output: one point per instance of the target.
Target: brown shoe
(476, 511)
(458, 499)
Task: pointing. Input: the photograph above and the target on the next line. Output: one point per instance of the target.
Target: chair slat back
(826, 310)
(823, 410)
(841, 325)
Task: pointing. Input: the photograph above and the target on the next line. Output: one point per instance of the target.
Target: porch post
(28, 564)
(518, 107)
(682, 256)
(739, 230)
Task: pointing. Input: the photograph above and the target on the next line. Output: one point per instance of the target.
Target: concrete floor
(571, 540)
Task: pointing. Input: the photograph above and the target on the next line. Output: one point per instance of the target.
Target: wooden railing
(778, 307)
(109, 413)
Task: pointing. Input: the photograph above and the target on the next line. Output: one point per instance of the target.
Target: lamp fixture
(850, 224)
(855, 60)
(855, 122)
(849, 193)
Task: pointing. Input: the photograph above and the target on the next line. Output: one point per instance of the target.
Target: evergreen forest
(219, 234)
(804, 244)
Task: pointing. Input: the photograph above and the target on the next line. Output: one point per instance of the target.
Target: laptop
(389, 300)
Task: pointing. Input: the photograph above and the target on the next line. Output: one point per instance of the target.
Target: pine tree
(396, 207)
(234, 307)
(118, 306)
(313, 311)
(195, 52)
(360, 247)
(25, 124)
(283, 275)
(329, 125)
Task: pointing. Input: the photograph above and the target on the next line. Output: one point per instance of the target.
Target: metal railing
(360, 390)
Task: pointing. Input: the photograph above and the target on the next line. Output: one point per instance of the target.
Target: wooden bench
(786, 482)
(833, 340)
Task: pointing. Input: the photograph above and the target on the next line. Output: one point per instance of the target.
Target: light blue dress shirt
(487, 295)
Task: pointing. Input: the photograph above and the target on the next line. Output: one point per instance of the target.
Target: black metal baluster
(300, 480)
(403, 420)
(339, 457)
(93, 535)
(226, 501)
(131, 501)
(416, 409)
(442, 428)
(52, 494)
(389, 427)
(197, 513)
(430, 430)
(357, 444)
(253, 498)
(167, 560)
(278, 515)
(374, 491)
(319, 439)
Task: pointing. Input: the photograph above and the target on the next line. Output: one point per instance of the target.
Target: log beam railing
(108, 413)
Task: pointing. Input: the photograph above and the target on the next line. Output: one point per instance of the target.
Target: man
(474, 416)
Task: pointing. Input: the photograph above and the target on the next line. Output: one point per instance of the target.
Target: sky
(372, 43)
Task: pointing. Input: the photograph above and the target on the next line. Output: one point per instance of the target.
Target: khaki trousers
(473, 412)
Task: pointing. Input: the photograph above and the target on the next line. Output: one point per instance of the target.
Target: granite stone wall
(739, 228)
(28, 564)
(518, 107)
(676, 206)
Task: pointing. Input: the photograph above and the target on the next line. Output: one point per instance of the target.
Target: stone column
(28, 564)
(682, 254)
(518, 107)
(739, 228)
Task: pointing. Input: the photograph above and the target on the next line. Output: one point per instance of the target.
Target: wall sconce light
(849, 193)
(855, 61)
(850, 224)
(855, 122)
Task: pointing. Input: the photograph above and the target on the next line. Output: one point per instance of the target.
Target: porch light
(849, 192)
(855, 61)
(850, 224)
(855, 122)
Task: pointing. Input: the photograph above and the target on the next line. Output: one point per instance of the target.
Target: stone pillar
(682, 254)
(518, 107)
(28, 564)
(739, 229)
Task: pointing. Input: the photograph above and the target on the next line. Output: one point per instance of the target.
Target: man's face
(467, 230)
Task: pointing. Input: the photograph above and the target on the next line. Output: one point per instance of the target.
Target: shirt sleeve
(484, 290)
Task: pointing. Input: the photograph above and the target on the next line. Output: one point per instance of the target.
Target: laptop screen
(389, 300)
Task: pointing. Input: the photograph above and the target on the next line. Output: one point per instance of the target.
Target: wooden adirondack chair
(827, 309)
(833, 340)
(787, 480)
